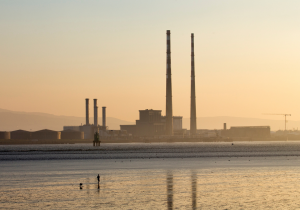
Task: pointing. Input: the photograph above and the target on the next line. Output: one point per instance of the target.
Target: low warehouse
(4, 135)
(247, 131)
(71, 134)
(46, 134)
(20, 134)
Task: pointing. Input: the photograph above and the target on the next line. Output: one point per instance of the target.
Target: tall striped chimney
(95, 113)
(193, 123)
(169, 109)
(87, 111)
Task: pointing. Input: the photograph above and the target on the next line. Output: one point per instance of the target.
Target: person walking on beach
(98, 178)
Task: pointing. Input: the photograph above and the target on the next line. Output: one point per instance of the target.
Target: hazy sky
(54, 54)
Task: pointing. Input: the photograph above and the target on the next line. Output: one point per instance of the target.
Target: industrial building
(88, 129)
(177, 123)
(71, 134)
(46, 134)
(20, 134)
(42, 134)
(151, 123)
(246, 131)
(4, 135)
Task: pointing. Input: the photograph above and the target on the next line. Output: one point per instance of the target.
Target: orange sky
(53, 55)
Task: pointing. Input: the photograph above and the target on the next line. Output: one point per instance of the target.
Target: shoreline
(154, 140)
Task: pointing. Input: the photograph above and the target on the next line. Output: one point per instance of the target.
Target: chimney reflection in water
(170, 190)
(194, 190)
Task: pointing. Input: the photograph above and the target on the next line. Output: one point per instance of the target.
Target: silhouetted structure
(46, 134)
(87, 111)
(152, 123)
(104, 116)
(4, 135)
(71, 128)
(131, 129)
(95, 113)
(247, 131)
(20, 134)
(88, 131)
(193, 123)
(96, 141)
(177, 123)
(71, 134)
(169, 107)
(149, 124)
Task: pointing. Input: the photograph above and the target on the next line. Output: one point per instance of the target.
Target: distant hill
(217, 123)
(11, 120)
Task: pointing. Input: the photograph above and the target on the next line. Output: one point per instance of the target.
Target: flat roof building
(247, 131)
(151, 123)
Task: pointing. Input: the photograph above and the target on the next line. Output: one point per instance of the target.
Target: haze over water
(249, 175)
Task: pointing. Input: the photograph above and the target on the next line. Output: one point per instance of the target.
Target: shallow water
(258, 180)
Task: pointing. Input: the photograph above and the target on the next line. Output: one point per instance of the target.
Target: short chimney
(95, 113)
(104, 116)
(87, 111)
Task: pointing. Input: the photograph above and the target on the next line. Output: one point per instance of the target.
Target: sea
(216, 175)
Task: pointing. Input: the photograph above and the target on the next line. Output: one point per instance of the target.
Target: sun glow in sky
(54, 54)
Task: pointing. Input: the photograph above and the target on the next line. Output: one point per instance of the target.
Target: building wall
(131, 129)
(150, 115)
(4, 135)
(177, 123)
(247, 131)
(149, 129)
(88, 131)
(72, 134)
(151, 123)
(46, 134)
(20, 134)
(72, 128)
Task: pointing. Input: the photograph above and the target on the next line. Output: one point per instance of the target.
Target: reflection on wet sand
(235, 184)
(194, 190)
(170, 190)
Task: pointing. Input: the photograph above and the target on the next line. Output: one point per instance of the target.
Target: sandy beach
(151, 176)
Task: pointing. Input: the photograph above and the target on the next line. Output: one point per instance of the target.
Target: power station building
(151, 123)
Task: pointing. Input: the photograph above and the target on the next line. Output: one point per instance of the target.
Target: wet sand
(151, 176)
